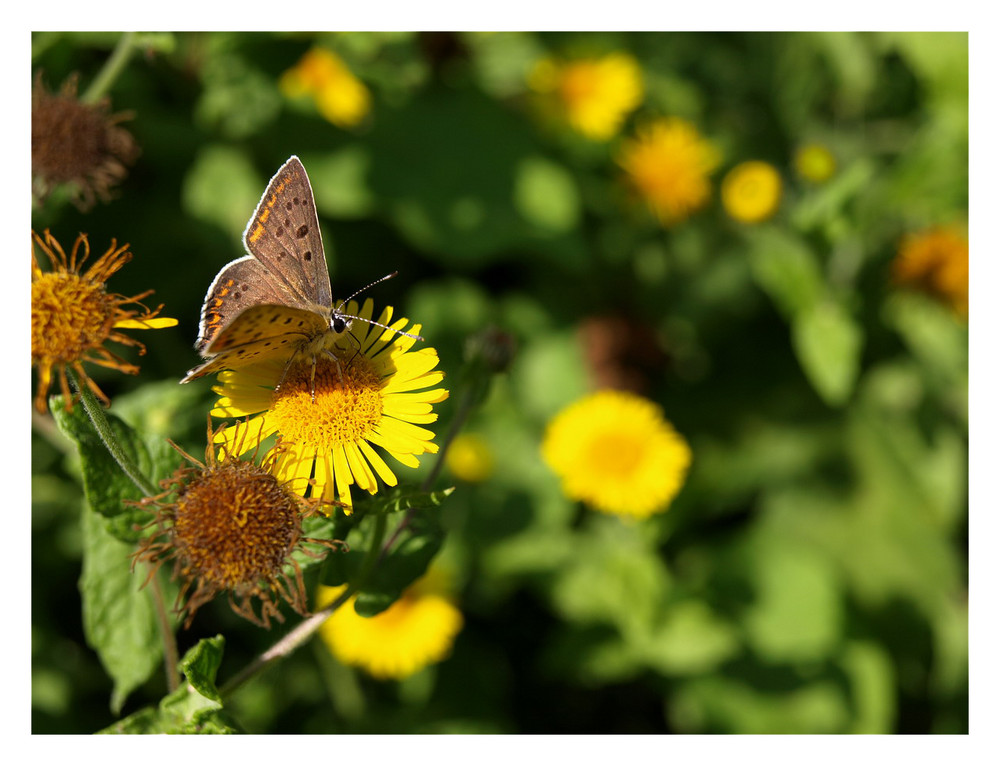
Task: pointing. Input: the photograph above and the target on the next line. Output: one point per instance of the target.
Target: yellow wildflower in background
(593, 95)
(418, 630)
(936, 261)
(329, 412)
(73, 315)
(668, 163)
(470, 458)
(615, 451)
(751, 191)
(815, 163)
(322, 75)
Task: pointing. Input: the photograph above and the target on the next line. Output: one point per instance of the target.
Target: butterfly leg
(284, 373)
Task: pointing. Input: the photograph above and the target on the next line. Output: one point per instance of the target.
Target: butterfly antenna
(383, 326)
(366, 287)
(371, 321)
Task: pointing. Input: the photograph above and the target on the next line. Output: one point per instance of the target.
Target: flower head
(592, 95)
(751, 191)
(322, 75)
(470, 458)
(73, 314)
(231, 526)
(936, 261)
(329, 410)
(815, 163)
(668, 163)
(78, 144)
(418, 630)
(615, 451)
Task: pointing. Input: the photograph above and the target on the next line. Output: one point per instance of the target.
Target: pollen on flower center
(236, 524)
(616, 454)
(69, 315)
(336, 406)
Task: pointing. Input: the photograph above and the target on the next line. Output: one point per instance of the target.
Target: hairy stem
(112, 68)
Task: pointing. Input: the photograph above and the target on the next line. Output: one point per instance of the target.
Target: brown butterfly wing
(283, 234)
(257, 334)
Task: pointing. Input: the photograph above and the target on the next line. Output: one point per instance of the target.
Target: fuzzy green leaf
(119, 620)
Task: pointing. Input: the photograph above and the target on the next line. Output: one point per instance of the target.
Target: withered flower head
(77, 144)
(230, 525)
(73, 315)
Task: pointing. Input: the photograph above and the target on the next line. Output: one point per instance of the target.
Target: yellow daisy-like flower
(322, 75)
(329, 412)
(594, 96)
(668, 163)
(815, 163)
(751, 191)
(615, 451)
(418, 630)
(73, 314)
(936, 261)
(470, 458)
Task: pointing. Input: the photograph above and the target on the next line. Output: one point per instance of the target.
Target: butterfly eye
(338, 324)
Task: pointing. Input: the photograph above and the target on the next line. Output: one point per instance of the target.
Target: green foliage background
(811, 576)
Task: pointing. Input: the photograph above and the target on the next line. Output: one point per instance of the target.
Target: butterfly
(277, 301)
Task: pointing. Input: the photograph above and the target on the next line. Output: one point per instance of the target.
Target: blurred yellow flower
(751, 191)
(339, 96)
(815, 163)
(615, 451)
(418, 630)
(668, 162)
(593, 95)
(470, 458)
(936, 261)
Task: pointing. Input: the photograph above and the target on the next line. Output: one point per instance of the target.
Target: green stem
(170, 656)
(100, 422)
(112, 68)
(304, 630)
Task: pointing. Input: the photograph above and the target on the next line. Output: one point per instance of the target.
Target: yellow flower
(616, 452)
(815, 163)
(668, 163)
(73, 314)
(936, 261)
(322, 75)
(593, 95)
(751, 191)
(470, 458)
(231, 527)
(418, 630)
(329, 411)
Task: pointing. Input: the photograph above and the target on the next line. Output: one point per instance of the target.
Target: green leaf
(194, 708)
(119, 620)
(200, 665)
(546, 195)
(405, 563)
(105, 484)
(339, 181)
(222, 187)
(786, 269)
(828, 344)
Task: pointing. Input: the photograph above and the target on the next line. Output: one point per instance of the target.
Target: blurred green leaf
(238, 99)
(872, 678)
(339, 181)
(119, 619)
(797, 613)
(546, 194)
(222, 187)
(691, 640)
(786, 269)
(828, 343)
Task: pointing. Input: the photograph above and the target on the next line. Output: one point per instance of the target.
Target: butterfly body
(277, 301)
